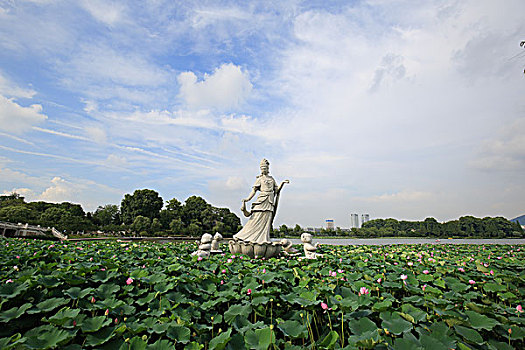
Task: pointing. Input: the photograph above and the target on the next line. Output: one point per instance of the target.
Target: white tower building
(354, 221)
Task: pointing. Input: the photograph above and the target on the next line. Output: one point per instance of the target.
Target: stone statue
(215, 243)
(258, 227)
(309, 248)
(254, 238)
(288, 248)
(204, 247)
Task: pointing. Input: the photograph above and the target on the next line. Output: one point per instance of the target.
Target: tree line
(464, 227)
(142, 213)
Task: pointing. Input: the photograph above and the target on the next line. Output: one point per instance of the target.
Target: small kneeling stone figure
(288, 248)
(309, 248)
(215, 243)
(204, 247)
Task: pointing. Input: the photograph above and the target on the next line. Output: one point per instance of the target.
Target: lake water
(389, 241)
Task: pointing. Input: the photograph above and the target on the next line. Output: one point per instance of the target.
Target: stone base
(255, 250)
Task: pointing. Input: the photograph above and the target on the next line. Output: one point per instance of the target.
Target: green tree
(144, 202)
(106, 215)
(176, 226)
(194, 230)
(156, 227)
(55, 217)
(141, 224)
(193, 210)
(17, 214)
(11, 200)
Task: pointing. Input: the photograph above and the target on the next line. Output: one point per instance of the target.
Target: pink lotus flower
(199, 258)
(425, 272)
(107, 312)
(264, 270)
(229, 260)
(379, 280)
(471, 281)
(324, 306)
(492, 272)
(410, 263)
(363, 291)
(423, 287)
(223, 271)
(129, 281)
(461, 269)
(249, 291)
(519, 308)
(9, 281)
(222, 282)
(93, 300)
(404, 277)
(18, 256)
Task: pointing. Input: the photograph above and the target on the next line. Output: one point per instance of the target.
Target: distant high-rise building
(364, 218)
(354, 221)
(330, 224)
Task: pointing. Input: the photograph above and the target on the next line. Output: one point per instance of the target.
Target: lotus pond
(117, 295)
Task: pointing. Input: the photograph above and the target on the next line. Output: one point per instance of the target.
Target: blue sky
(392, 108)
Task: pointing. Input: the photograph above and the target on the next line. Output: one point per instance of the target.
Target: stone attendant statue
(257, 229)
(309, 248)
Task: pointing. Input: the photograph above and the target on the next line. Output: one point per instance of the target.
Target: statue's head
(217, 236)
(306, 238)
(265, 166)
(286, 243)
(206, 238)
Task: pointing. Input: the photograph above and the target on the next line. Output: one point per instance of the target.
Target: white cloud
(107, 12)
(505, 151)
(16, 118)
(97, 134)
(96, 66)
(60, 191)
(226, 88)
(8, 88)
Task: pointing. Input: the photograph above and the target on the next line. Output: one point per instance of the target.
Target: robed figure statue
(259, 225)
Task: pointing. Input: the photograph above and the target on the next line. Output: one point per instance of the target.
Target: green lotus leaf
(161, 344)
(394, 323)
(160, 328)
(219, 342)
(178, 333)
(106, 290)
(494, 287)
(103, 276)
(93, 324)
(100, 337)
(11, 290)
(136, 343)
(408, 342)
(479, 321)
(14, 312)
(12, 341)
(518, 333)
(237, 310)
(77, 292)
(48, 305)
(46, 337)
(64, 315)
(412, 313)
(146, 300)
(260, 339)
(329, 341)
(498, 345)
(49, 282)
(469, 334)
(382, 305)
(293, 329)
(363, 325)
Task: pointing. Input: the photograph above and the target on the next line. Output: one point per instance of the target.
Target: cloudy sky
(394, 108)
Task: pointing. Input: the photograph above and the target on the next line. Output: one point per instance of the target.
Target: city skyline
(400, 109)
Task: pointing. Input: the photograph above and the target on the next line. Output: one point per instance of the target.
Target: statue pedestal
(255, 250)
